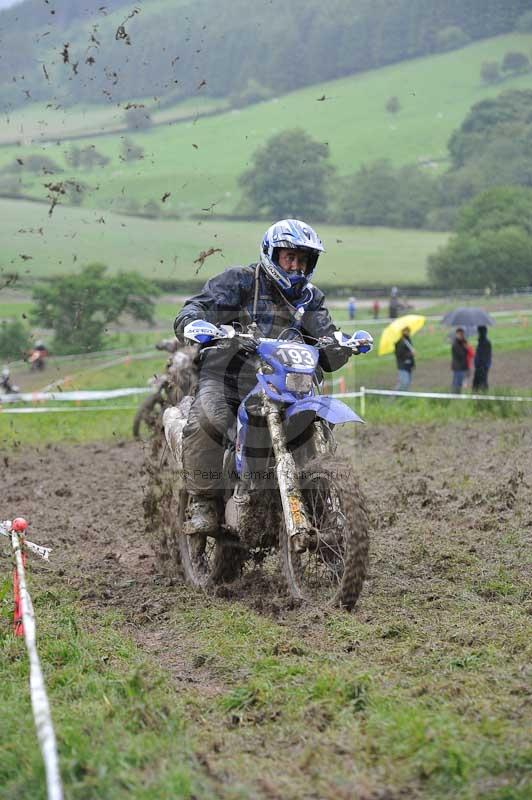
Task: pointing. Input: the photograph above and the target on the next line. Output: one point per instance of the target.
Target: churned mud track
(86, 503)
(440, 498)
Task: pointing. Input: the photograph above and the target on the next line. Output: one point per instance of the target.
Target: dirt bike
(167, 389)
(285, 492)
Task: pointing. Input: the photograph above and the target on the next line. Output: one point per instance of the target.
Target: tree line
(78, 308)
(492, 147)
(177, 50)
(489, 177)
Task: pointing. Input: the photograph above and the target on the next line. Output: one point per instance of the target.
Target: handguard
(363, 341)
(202, 332)
(359, 342)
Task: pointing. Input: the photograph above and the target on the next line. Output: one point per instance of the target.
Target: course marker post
(39, 699)
(19, 525)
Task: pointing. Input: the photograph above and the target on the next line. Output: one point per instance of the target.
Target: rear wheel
(333, 570)
(205, 560)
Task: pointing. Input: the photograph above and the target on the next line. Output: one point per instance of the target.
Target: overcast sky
(7, 3)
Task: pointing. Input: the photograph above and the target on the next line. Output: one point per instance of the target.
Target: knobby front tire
(333, 572)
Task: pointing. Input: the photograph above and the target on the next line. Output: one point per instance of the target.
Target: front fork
(300, 530)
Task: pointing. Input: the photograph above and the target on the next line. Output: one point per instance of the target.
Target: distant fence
(342, 394)
(77, 396)
(363, 393)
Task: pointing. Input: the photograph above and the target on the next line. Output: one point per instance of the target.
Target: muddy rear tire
(333, 573)
(205, 560)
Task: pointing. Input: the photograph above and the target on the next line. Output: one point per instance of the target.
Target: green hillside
(199, 162)
(167, 249)
(165, 47)
(40, 122)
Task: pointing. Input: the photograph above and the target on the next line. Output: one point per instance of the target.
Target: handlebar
(250, 342)
(226, 336)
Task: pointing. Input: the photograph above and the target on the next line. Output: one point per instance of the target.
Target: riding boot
(201, 516)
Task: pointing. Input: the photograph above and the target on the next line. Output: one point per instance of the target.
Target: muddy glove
(329, 345)
(332, 354)
(238, 345)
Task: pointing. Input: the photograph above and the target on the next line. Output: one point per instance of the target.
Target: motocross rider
(275, 293)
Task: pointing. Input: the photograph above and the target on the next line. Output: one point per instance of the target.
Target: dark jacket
(404, 354)
(483, 353)
(459, 354)
(228, 298)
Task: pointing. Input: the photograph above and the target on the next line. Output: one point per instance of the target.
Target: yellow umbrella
(392, 332)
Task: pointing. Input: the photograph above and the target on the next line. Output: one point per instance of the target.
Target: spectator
(376, 309)
(352, 308)
(482, 359)
(470, 350)
(405, 358)
(459, 360)
(394, 303)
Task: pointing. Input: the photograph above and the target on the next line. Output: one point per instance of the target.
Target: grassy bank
(119, 722)
(168, 248)
(199, 162)
(21, 431)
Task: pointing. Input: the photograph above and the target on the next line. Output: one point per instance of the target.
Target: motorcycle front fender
(325, 407)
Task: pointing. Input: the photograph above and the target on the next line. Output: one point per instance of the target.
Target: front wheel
(333, 570)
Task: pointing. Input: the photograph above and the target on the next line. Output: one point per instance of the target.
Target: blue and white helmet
(292, 234)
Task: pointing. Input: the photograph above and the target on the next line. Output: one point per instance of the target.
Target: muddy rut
(86, 503)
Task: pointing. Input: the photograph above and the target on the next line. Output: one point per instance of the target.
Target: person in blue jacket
(275, 293)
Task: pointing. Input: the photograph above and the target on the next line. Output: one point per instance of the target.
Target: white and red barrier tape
(24, 624)
(63, 409)
(363, 392)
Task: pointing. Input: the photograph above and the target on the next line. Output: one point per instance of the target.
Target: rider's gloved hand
(366, 341)
(329, 343)
(237, 344)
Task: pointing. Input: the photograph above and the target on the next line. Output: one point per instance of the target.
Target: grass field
(510, 375)
(432, 345)
(38, 121)
(198, 163)
(167, 248)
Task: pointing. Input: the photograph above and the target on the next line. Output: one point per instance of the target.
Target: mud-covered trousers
(212, 414)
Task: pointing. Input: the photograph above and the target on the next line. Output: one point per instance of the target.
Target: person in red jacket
(459, 366)
(470, 360)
